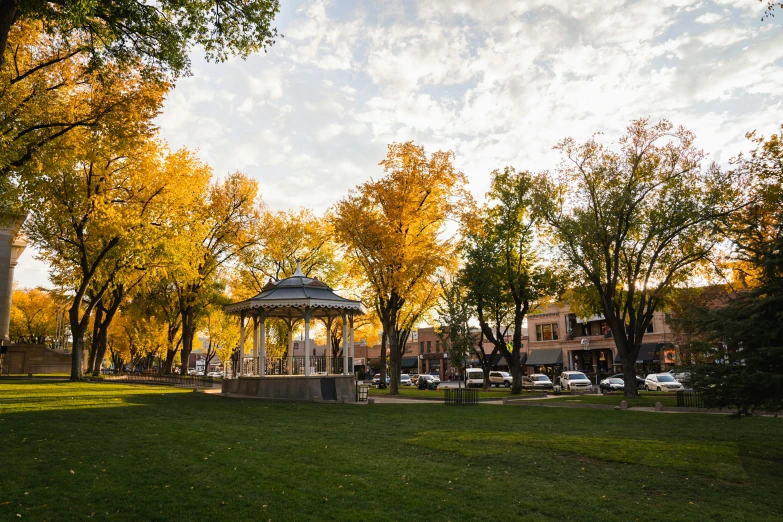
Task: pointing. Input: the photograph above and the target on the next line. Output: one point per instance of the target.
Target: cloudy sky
(497, 82)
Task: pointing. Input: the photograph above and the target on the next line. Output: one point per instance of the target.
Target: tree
(453, 328)
(222, 332)
(159, 32)
(394, 230)
(33, 317)
(740, 344)
(502, 273)
(48, 91)
(633, 224)
(100, 217)
(769, 10)
(220, 228)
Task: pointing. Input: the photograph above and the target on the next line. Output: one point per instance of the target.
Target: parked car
(575, 381)
(405, 380)
(436, 377)
(414, 378)
(537, 381)
(500, 379)
(427, 382)
(377, 379)
(662, 382)
(612, 384)
(639, 380)
(683, 378)
(215, 374)
(474, 378)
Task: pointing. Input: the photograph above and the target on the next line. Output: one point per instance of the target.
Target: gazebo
(308, 377)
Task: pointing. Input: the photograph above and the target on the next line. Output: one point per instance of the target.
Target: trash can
(556, 389)
(362, 390)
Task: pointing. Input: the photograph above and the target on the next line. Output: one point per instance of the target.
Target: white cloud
(709, 18)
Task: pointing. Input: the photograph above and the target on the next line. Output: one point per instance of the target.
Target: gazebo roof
(296, 293)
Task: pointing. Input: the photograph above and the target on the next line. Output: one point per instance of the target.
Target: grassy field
(121, 452)
(412, 391)
(645, 399)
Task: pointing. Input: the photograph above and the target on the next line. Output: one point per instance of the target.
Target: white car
(474, 378)
(215, 374)
(537, 381)
(436, 377)
(405, 380)
(662, 382)
(575, 381)
(500, 379)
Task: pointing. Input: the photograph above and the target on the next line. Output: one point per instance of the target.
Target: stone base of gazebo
(316, 388)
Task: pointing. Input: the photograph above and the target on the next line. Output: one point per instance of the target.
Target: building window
(547, 332)
(421, 347)
(650, 328)
(429, 346)
(437, 346)
(313, 352)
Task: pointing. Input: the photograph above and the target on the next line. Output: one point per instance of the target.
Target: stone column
(328, 354)
(254, 354)
(345, 344)
(262, 344)
(11, 247)
(241, 355)
(307, 341)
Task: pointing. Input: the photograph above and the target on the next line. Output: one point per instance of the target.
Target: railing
(460, 397)
(184, 381)
(293, 366)
(689, 399)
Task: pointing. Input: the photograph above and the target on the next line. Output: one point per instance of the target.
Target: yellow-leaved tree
(395, 231)
(102, 212)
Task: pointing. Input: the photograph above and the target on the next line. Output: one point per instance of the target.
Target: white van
(474, 377)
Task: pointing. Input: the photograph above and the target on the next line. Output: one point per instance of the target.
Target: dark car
(612, 384)
(639, 380)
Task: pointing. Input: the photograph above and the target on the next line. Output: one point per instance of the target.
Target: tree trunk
(631, 389)
(169, 363)
(103, 331)
(187, 339)
(383, 356)
(394, 364)
(96, 327)
(77, 331)
(486, 368)
(516, 373)
(8, 9)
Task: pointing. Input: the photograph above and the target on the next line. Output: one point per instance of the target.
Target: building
(559, 341)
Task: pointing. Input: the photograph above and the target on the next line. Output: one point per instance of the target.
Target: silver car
(662, 382)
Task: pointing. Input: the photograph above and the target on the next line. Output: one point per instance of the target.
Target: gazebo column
(328, 354)
(254, 355)
(262, 344)
(307, 341)
(241, 355)
(345, 344)
(290, 348)
(350, 344)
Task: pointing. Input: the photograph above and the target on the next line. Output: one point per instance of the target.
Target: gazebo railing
(294, 366)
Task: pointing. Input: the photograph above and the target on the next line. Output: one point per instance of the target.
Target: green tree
(503, 274)
(634, 223)
(453, 328)
(746, 335)
(159, 32)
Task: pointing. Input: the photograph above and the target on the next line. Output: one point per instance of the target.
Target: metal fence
(184, 381)
(460, 397)
(689, 399)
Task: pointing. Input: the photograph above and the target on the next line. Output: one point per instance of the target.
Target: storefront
(649, 359)
(409, 364)
(592, 360)
(548, 361)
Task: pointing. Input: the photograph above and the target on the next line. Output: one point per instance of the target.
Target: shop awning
(648, 352)
(546, 357)
(410, 362)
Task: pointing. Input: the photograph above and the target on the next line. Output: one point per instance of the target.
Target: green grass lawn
(123, 452)
(412, 391)
(645, 399)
